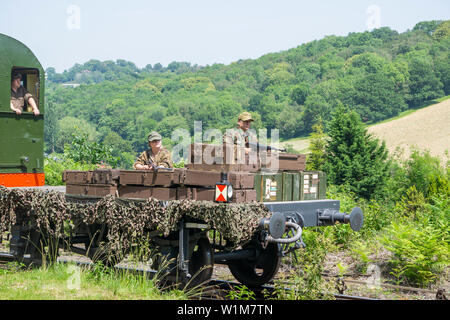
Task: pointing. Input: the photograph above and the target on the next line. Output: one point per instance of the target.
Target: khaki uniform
(238, 137)
(163, 158)
(18, 98)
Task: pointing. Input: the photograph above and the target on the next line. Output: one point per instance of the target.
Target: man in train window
(20, 95)
(156, 157)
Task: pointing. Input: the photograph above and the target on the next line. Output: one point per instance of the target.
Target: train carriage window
(30, 81)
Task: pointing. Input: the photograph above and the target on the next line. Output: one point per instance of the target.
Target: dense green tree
(428, 27)
(353, 157)
(300, 92)
(442, 32)
(317, 143)
(424, 84)
(70, 126)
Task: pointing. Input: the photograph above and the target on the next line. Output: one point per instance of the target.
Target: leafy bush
(85, 151)
(308, 282)
(419, 252)
(54, 168)
(426, 173)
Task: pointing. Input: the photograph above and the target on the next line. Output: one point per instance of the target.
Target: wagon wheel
(201, 263)
(255, 272)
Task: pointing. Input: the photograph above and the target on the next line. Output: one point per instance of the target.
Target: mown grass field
(425, 128)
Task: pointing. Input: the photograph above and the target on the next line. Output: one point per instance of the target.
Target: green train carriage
(21, 136)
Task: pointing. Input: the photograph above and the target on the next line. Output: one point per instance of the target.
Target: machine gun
(259, 146)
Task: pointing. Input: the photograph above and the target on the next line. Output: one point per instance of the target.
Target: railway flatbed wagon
(190, 219)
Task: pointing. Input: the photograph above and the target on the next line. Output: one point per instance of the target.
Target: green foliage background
(377, 74)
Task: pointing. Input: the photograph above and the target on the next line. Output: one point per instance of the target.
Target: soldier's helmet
(152, 136)
(245, 116)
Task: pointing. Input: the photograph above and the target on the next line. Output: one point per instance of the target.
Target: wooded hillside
(378, 74)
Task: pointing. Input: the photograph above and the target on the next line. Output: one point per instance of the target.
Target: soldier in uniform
(156, 156)
(241, 135)
(20, 95)
(237, 141)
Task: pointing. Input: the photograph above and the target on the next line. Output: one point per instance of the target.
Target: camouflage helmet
(245, 116)
(152, 136)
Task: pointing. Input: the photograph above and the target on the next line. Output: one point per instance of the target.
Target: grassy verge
(70, 282)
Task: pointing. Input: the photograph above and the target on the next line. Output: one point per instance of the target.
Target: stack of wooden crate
(271, 176)
(175, 184)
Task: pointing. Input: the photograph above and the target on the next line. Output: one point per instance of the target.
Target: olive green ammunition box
(269, 187)
(295, 186)
(313, 185)
(287, 186)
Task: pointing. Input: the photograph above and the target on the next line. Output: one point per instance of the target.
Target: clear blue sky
(64, 32)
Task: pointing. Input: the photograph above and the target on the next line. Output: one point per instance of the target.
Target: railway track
(262, 292)
(216, 289)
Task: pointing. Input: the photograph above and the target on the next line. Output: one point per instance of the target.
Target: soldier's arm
(16, 110)
(33, 105)
(139, 164)
(166, 160)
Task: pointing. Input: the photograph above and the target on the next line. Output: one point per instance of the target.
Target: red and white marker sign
(221, 192)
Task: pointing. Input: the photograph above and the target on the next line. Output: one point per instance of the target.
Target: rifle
(262, 146)
(157, 168)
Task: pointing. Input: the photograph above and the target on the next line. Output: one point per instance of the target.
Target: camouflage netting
(126, 221)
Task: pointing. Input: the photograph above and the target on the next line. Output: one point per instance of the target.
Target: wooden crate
(151, 178)
(145, 192)
(105, 176)
(239, 195)
(246, 195)
(284, 162)
(239, 180)
(99, 190)
(76, 177)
